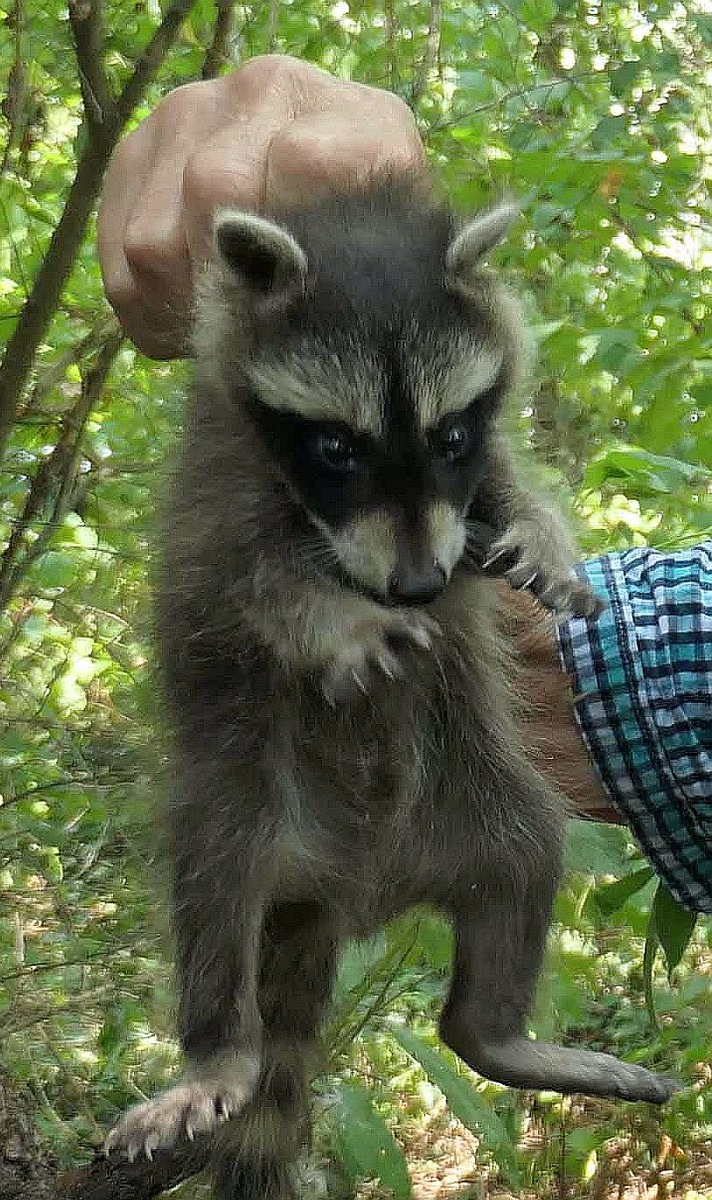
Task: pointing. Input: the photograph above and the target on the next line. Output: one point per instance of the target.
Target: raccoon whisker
(320, 554)
(317, 551)
(324, 565)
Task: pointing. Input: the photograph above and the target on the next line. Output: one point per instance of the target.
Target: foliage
(596, 114)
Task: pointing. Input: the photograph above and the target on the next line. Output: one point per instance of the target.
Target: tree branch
(53, 374)
(390, 46)
(67, 237)
(151, 59)
(86, 21)
(272, 25)
(117, 1179)
(55, 476)
(218, 52)
(429, 61)
(14, 102)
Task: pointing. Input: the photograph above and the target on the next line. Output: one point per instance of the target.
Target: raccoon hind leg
(500, 931)
(257, 1153)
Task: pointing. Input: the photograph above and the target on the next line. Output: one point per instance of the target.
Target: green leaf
(609, 897)
(608, 131)
(57, 569)
(593, 848)
(650, 953)
(366, 1144)
(623, 77)
(656, 472)
(464, 1101)
(703, 21)
(674, 926)
(615, 347)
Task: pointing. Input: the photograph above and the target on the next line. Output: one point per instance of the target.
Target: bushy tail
(265, 1178)
(258, 1150)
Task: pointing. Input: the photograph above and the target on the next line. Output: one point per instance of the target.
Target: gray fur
(338, 759)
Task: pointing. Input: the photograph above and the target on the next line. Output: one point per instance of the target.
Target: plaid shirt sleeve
(643, 686)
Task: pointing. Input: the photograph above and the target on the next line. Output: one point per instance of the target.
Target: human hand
(273, 132)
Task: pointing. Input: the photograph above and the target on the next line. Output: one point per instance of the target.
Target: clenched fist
(270, 133)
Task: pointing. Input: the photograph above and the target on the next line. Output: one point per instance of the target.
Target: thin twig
(86, 21)
(390, 32)
(55, 477)
(53, 375)
(218, 53)
(15, 96)
(31, 969)
(655, 266)
(431, 54)
(505, 97)
(272, 26)
(67, 237)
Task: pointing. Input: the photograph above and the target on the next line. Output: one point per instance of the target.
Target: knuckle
(200, 172)
(150, 244)
(398, 111)
(120, 289)
(182, 102)
(264, 74)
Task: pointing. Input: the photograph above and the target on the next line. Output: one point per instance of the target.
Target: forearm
(549, 719)
(634, 695)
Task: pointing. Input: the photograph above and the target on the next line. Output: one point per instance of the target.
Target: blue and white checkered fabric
(643, 685)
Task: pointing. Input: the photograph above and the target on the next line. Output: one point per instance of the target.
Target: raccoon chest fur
(389, 802)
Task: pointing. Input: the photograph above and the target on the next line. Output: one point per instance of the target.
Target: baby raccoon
(345, 742)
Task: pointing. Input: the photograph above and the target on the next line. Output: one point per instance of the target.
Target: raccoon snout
(407, 585)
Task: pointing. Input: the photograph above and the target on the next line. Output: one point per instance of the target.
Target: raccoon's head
(377, 350)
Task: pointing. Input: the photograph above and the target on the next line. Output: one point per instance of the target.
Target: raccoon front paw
(529, 556)
(573, 596)
(372, 647)
(194, 1106)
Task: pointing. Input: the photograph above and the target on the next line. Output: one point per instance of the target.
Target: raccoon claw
(528, 583)
(505, 556)
(196, 1106)
(572, 596)
(373, 647)
(529, 557)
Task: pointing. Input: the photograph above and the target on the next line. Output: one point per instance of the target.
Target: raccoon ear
(264, 255)
(472, 244)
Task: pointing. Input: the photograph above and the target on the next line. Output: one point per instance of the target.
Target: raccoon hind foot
(197, 1105)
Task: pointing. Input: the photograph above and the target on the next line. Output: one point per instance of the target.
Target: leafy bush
(594, 113)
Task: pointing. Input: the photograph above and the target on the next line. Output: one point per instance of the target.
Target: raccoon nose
(410, 586)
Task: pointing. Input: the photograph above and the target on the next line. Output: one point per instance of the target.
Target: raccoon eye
(337, 451)
(454, 442)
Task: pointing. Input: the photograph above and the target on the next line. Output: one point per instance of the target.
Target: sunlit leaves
(464, 1101)
(596, 116)
(368, 1150)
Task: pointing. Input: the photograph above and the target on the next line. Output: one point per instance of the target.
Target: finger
(291, 133)
(229, 167)
(124, 179)
(228, 170)
(319, 151)
(142, 242)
